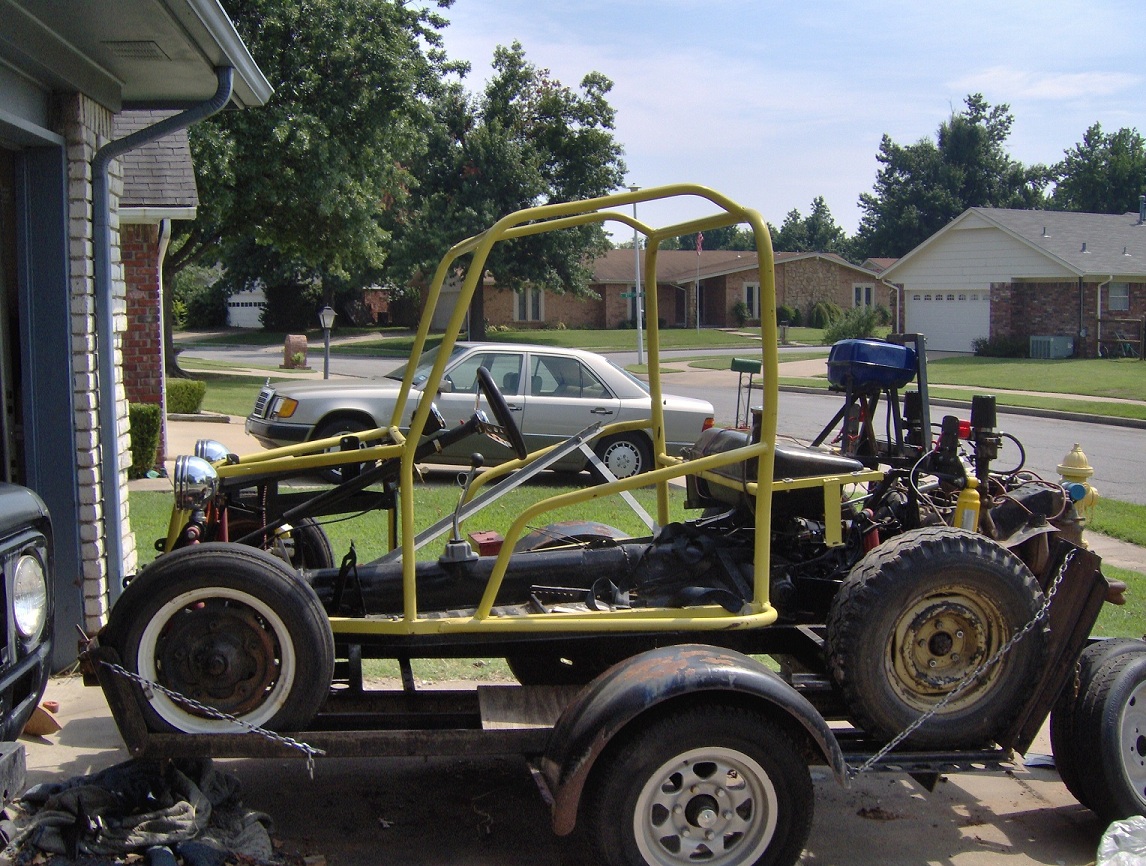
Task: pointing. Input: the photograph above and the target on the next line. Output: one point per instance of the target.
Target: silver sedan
(553, 393)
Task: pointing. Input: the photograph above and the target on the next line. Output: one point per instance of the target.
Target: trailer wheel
(916, 618)
(713, 785)
(230, 627)
(1072, 757)
(1110, 725)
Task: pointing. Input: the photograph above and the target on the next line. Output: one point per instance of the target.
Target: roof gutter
(105, 309)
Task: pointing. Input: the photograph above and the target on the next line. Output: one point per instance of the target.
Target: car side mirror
(446, 387)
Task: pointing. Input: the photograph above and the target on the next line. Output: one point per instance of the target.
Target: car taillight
(708, 422)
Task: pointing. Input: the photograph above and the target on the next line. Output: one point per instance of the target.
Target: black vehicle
(26, 559)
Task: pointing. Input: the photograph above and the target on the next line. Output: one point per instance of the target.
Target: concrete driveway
(486, 812)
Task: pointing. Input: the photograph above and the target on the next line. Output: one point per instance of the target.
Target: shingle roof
(680, 266)
(1090, 244)
(159, 175)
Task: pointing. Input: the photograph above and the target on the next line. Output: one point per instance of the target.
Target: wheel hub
(621, 459)
(940, 642)
(1132, 731)
(218, 655)
(706, 810)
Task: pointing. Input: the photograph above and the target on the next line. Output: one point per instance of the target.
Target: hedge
(185, 396)
(144, 419)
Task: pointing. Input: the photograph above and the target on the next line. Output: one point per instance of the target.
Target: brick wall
(1031, 309)
(86, 126)
(804, 283)
(143, 341)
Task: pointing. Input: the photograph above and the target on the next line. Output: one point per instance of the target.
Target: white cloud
(1029, 84)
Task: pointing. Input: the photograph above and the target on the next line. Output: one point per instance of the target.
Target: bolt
(677, 809)
(709, 835)
(726, 814)
(686, 832)
(695, 789)
(954, 657)
(933, 663)
(959, 634)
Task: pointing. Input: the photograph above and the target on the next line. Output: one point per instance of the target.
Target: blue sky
(774, 103)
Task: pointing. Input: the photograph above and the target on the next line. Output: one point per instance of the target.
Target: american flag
(699, 241)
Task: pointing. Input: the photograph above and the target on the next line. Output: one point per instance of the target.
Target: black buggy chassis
(672, 691)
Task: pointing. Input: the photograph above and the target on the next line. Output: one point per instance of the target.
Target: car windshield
(644, 386)
(425, 364)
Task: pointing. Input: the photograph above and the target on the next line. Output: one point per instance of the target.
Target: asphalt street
(1116, 453)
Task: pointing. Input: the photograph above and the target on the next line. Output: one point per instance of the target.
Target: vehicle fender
(642, 683)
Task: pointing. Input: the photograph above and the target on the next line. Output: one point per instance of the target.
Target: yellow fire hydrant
(1076, 469)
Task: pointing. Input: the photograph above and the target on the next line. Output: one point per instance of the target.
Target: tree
(291, 192)
(1104, 173)
(525, 140)
(922, 187)
(723, 238)
(817, 232)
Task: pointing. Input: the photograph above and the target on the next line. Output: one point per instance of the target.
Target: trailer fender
(639, 685)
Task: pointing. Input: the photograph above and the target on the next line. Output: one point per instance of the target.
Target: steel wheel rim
(712, 805)
(623, 459)
(940, 641)
(1132, 741)
(264, 630)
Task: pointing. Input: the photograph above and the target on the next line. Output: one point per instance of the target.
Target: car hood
(372, 388)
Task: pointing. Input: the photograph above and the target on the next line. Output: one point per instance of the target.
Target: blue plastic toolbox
(870, 364)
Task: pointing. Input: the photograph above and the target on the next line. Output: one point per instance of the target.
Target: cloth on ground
(134, 806)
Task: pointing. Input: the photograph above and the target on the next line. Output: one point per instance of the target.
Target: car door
(457, 396)
(565, 396)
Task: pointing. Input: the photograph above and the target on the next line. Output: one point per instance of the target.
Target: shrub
(823, 314)
(185, 396)
(791, 315)
(856, 324)
(740, 314)
(1001, 347)
(144, 421)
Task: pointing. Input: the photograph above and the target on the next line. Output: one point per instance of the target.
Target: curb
(206, 417)
(1059, 415)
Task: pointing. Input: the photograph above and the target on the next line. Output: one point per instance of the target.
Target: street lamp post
(637, 287)
(326, 317)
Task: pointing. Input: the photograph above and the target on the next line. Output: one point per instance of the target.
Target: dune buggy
(900, 584)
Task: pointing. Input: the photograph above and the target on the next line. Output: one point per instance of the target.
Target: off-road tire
(916, 617)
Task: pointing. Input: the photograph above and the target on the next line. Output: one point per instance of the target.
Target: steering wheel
(502, 413)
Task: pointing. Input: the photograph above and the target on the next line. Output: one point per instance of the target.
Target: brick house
(725, 278)
(1078, 279)
(65, 255)
(158, 186)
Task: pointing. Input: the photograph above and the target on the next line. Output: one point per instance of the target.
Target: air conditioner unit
(1051, 347)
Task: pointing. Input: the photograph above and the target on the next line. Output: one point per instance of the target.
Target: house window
(1118, 297)
(862, 295)
(951, 297)
(962, 297)
(974, 296)
(752, 299)
(529, 306)
(915, 297)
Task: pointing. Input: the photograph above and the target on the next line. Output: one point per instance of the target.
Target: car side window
(557, 376)
(505, 367)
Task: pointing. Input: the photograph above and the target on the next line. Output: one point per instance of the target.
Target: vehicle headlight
(30, 596)
(283, 407)
(211, 450)
(196, 482)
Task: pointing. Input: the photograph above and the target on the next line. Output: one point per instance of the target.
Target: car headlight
(196, 482)
(283, 407)
(30, 596)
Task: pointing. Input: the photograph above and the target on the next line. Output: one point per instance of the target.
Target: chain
(149, 687)
(853, 772)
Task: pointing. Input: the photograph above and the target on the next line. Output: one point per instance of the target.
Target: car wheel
(338, 427)
(707, 785)
(230, 627)
(625, 455)
(917, 617)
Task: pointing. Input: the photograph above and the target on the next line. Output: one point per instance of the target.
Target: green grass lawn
(1124, 378)
(230, 395)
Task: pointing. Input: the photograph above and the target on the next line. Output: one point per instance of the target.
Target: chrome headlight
(211, 451)
(196, 482)
(30, 596)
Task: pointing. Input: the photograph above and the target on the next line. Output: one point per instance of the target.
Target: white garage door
(950, 320)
